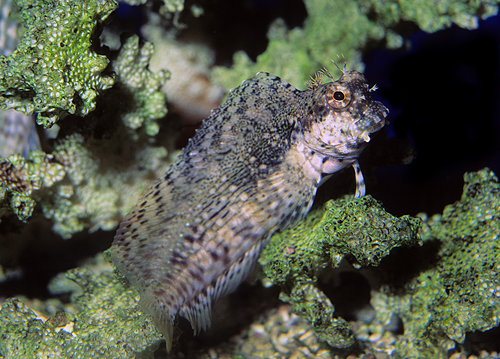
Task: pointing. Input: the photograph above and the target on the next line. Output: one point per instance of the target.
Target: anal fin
(199, 310)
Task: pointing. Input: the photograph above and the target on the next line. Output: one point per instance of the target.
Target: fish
(252, 168)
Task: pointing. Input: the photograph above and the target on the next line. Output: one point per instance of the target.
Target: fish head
(342, 115)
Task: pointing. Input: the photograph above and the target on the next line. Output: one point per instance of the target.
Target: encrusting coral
(134, 76)
(99, 201)
(120, 164)
(54, 70)
(123, 161)
(19, 176)
(109, 324)
(461, 293)
(359, 229)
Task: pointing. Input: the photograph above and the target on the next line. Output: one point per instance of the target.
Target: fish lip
(377, 118)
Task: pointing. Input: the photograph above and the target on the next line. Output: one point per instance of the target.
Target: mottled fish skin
(252, 168)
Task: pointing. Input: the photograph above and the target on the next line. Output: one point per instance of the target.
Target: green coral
(54, 70)
(312, 304)
(104, 176)
(99, 190)
(462, 293)
(20, 176)
(430, 16)
(107, 324)
(345, 28)
(134, 77)
(359, 229)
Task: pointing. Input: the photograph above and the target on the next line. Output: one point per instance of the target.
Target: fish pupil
(338, 95)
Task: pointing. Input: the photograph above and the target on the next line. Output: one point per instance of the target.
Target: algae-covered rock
(462, 292)
(359, 230)
(54, 70)
(109, 324)
(311, 303)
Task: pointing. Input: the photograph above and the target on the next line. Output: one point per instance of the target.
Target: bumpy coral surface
(98, 190)
(102, 176)
(359, 229)
(54, 71)
(20, 176)
(109, 324)
(462, 293)
(135, 78)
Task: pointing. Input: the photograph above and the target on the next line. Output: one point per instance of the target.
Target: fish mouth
(372, 120)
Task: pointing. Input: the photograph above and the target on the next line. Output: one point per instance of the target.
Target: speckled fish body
(252, 168)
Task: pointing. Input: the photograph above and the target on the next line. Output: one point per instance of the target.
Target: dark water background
(444, 96)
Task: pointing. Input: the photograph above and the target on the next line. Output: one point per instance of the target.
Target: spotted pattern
(252, 168)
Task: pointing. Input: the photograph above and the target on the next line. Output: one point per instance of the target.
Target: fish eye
(339, 97)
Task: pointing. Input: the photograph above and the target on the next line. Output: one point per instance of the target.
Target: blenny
(252, 168)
